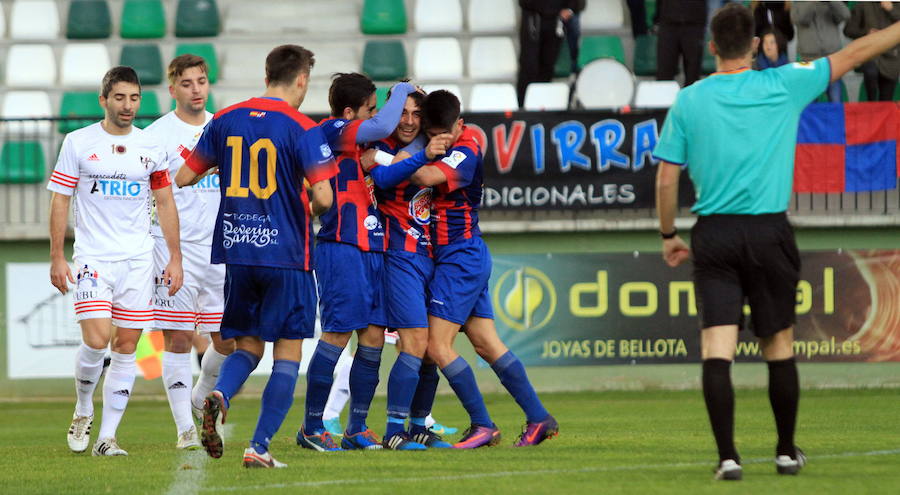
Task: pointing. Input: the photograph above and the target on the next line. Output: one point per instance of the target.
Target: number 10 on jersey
(235, 189)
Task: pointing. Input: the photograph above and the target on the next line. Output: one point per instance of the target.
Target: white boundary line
(191, 480)
(503, 474)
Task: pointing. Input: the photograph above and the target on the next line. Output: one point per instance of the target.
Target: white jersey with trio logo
(197, 205)
(110, 177)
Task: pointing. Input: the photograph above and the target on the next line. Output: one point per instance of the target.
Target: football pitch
(610, 442)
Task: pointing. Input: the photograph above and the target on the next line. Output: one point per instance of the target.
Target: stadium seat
(30, 105)
(491, 16)
(30, 66)
(383, 17)
(88, 20)
(197, 18)
(547, 96)
(211, 101)
(656, 94)
(84, 64)
(79, 104)
(604, 84)
(453, 88)
(602, 14)
(34, 20)
(438, 16)
(863, 96)
(205, 50)
(316, 101)
(143, 19)
(438, 58)
(595, 47)
(645, 55)
(22, 162)
(650, 10)
(2, 24)
(149, 110)
(493, 98)
(563, 65)
(384, 60)
(381, 93)
(493, 58)
(146, 60)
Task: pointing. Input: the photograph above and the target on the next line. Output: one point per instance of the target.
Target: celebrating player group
(203, 223)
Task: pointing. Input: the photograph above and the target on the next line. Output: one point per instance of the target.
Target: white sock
(116, 392)
(340, 390)
(209, 373)
(176, 374)
(429, 421)
(88, 368)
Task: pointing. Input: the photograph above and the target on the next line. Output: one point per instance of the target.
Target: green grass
(611, 442)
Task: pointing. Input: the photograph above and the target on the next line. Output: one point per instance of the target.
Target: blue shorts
(406, 277)
(351, 287)
(269, 303)
(459, 287)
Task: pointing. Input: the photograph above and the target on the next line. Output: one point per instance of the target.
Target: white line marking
(503, 474)
(190, 480)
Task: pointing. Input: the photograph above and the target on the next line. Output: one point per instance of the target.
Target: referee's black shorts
(746, 257)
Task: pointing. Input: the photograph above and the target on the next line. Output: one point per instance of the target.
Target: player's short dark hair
(184, 62)
(119, 73)
(732, 30)
(284, 63)
(350, 89)
(440, 110)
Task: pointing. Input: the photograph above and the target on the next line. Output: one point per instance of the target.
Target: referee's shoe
(784, 464)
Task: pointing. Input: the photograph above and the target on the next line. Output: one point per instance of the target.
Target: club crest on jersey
(85, 283)
(118, 149)
(145, 161)
(455, 159)
(161, 293)
(420, 207)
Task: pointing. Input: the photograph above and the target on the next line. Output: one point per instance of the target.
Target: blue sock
(276, 401)
(423, 399)
(401, 387)
(462, 381)
(234, 372)
(512, 375)
(363, 380)
(319, 378)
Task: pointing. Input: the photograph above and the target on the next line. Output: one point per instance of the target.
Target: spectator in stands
(773, 15)
(638, 10)
(818, 33)
(879, 74)
(770, 54)
(712, 6)
(540, 36)
(682, 24)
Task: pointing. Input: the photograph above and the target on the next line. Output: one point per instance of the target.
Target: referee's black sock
(719, 396)
(784, 394)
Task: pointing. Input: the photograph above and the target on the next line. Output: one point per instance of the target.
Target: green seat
(146, 60)
(708, 66)
(210, 104)
(88, 19)
(594, 47)
(384, 60)
(22, 162)
(650, 10)
(645, 55)
(143, 19)
(381, 95)
(205, 50)
(197, 18)
(79, 104)
(383, 17)
(863, 95)
(149, 110)
(563, 65)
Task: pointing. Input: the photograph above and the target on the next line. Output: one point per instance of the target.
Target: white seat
(438, 58)
(34, 20)
(493, 98)
(295, 18)
(2, 24)
(316, 101)
(602, 14)
(30, 66)
(604, 83)
(453, 88)
(84, 64)
(491, 16)
(246, 63)
(26, 104)
(547, 96)
(492, 58)
(656, 94)
(438, 16)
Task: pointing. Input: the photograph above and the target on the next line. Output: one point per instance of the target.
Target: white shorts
(120, 290)
(201, 300)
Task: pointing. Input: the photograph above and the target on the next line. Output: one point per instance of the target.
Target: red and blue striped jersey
(264, 149)
(354, 218)
(406, 209)
(455, 203)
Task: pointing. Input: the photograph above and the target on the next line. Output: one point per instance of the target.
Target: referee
(735, 131)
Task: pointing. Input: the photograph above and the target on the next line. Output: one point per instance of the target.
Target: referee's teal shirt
(736, 133)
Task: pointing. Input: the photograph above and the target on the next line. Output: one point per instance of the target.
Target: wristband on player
(670, 235)
(383, 158)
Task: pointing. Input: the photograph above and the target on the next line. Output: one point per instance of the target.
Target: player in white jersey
(199, 303)
(111, 167)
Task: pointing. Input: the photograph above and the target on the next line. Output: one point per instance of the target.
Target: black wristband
(670, 235)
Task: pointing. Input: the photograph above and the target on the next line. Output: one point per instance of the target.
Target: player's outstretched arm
(59, 268)
(385, 121)
(397, 172)
(168, 222)
(322, 197)
(863, 49)
(675, 251)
